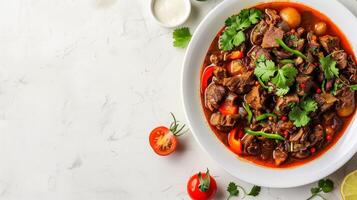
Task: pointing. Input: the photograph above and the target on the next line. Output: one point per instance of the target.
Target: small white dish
(309, 172)
(183, 19)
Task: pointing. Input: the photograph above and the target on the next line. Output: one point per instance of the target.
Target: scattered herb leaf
(233, 190)
(254, 191)
(324, 185)
(182, 37)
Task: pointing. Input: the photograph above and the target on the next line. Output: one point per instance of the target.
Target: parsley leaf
(254, 191)
(233, 190)
(265, 69)
(234, 34)
(328, 66)
(299, 113)
(182, 37)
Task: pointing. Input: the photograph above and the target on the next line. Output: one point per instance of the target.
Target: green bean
(295, 52)
(273, 136)
(264, 116)
(250, 114)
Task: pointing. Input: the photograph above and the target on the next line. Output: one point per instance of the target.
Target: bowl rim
(325, 171)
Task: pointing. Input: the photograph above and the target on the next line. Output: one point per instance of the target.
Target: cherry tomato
(163, 141)
(201, 186)
(235, 144)
(227, 109)
(206, 75)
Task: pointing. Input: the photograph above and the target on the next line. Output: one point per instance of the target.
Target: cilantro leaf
(285, 76)
(299, 117)
(328, 66)
(282, 91)
(327, 186)
(233, 190)
(182, 37)
(315, 190)
(230, 20)
(254, 191)
(265, 69)
(239, 38)
(234, 34)
(299, 113)
(255, 16)
(309, 105)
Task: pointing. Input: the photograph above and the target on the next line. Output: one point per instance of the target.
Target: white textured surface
(82, 83)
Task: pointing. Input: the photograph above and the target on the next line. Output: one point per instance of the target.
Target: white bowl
(179, 23)
(314, 170)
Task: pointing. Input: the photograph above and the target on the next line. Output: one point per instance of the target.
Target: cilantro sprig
(300, 112)
(233, 35)
(324, 185)
(328, 66)
(233, 190)
(282, 77)
(182, 37)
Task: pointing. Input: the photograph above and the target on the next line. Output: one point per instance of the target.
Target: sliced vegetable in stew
(278, 84)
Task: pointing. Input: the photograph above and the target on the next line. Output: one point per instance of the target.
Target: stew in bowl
(278, 84)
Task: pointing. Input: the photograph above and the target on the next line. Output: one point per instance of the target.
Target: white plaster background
(82, 83)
